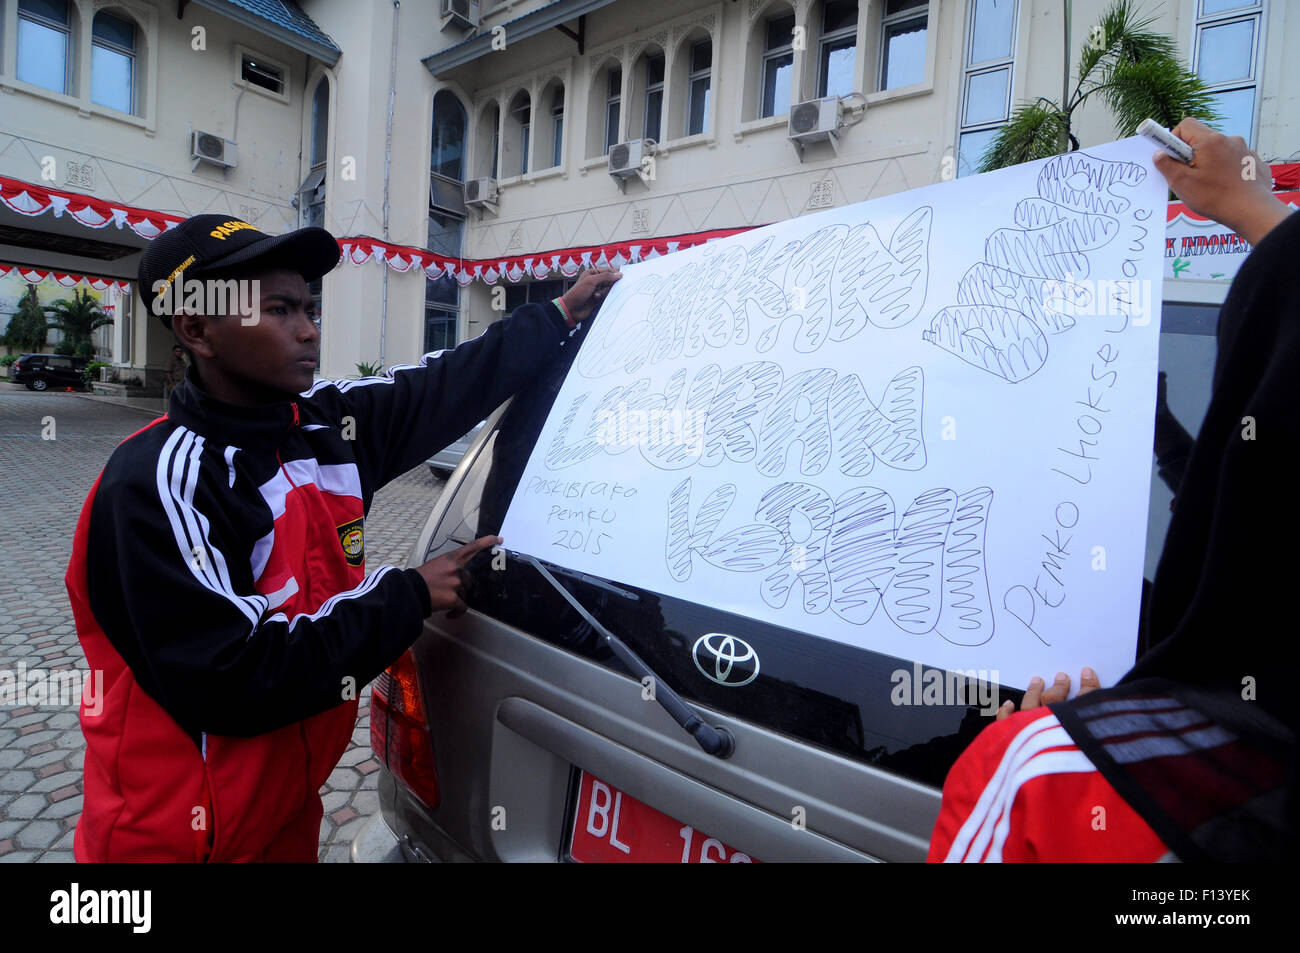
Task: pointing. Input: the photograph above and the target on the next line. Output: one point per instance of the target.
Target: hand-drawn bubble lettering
(915, 594)
(967, 615)
(861, 432)
(927, 569)
(861, 555)
(803, 515)
(1026, 286)
(742, 394)
(827, 286)
(798, 415)
(999, 340)
(751, 413)
(884, 284)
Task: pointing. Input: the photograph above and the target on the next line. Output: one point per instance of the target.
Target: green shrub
(91, 373)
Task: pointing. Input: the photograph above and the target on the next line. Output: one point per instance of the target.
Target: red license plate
(612, 828)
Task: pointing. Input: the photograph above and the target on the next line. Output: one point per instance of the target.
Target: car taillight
(399, 734)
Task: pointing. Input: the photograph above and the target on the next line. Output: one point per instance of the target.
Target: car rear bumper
(376, 844)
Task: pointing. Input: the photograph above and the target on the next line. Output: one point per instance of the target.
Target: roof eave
(328, 55)
(530, 24)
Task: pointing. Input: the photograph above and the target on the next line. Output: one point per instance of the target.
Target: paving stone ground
(43, 483)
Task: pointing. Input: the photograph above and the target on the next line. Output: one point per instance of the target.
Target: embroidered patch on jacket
(353, 540)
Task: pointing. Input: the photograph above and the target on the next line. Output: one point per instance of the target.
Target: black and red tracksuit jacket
(218, 580)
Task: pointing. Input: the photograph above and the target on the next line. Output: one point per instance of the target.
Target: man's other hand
(445, 577)
(1036, 695)
(1225, 181)
(586, 295)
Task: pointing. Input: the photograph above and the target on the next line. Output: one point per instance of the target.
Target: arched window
(769, 74)
(837, 47)
(550, 126)
(320, 120)
(113, 71)
(519, 127)
(487, 141)
(605, 112)
(645, 118)
(447, 156)
(692, 83)
(311, 194)
(447, 213)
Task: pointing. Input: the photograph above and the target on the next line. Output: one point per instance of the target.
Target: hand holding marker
(1150, 129)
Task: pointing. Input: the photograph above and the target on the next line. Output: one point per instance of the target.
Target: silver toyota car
(547, 724)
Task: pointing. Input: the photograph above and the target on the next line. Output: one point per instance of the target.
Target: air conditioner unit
(628, 159)
(814, 121)
(460, 13)
(208, 147)
(481, 191)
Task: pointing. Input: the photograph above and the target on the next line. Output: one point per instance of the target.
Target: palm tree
(1135, 72)
(78, 319)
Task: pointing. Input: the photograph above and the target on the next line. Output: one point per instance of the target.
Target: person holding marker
(1192, 755)
(218, 573)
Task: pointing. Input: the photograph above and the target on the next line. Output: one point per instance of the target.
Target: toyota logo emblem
(725, 659)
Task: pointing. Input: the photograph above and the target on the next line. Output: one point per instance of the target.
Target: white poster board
(921, 424)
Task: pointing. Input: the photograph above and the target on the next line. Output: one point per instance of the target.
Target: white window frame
(693, 77)
(915, 13)
(971, 69)
(1257, 11)
(770, 54)
(557, 131)
(848, 32)
(525, 132)
(650, 90)
(241, 52)
(133, 55)
(69, 53)
(613, 98)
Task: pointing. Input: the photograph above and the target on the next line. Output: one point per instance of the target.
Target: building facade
(462, 152)
(105, 109)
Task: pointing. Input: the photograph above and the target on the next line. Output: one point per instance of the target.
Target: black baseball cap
(206, 246)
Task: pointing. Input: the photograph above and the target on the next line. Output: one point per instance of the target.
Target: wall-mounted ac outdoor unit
(815, 120)
(633, 158)
(481, 191)
(208, 147)
(460, 13)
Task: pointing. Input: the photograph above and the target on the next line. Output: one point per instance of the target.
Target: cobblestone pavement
(43, 484)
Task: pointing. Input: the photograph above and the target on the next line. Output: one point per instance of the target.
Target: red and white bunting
(359, 249)
(27, 198)
(30, 199)
(34, 276)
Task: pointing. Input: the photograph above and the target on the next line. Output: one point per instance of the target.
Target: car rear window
(845, 699)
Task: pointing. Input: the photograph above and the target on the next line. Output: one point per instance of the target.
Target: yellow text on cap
(228, 228)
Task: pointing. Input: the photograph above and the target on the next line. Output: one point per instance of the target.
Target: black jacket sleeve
(173, 592)
(404, 419)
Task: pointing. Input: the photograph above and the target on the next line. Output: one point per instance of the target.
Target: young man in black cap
(242, 511)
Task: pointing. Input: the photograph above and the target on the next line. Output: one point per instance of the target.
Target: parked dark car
(514, 733)
(442, 463)
(45, 371)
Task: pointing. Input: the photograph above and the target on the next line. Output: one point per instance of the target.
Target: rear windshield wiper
(717, 741)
